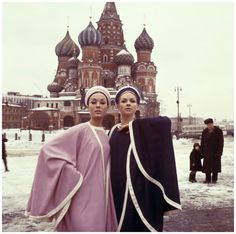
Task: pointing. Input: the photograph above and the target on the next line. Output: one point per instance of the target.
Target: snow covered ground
(22, 159)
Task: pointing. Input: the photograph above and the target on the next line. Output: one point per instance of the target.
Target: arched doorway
(39, 120)
(108, 121)
(68, 121)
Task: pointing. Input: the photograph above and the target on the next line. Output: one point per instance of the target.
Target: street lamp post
(189, 108)
(178, 89)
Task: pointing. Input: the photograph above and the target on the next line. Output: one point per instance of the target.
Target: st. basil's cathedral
(105, 61)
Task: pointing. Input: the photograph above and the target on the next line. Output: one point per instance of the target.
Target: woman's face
(97, 106)
(127, 104)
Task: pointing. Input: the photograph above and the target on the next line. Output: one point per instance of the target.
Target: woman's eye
(93, 102)
(103, 102)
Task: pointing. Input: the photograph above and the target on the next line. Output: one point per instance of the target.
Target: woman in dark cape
(143, 171)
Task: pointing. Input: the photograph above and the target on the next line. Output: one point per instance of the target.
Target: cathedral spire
(110, 11)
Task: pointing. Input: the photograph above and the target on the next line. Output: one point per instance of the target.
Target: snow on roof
(12, 105)
(43, 108)
(57, 98)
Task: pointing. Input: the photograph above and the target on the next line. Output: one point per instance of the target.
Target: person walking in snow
(195, 162)
(4, 152)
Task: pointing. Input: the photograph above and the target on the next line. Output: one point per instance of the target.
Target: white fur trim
(63, 206)
(132, 194)
(123, 208)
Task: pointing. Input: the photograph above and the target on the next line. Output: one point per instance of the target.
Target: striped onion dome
(90, 36)
(66, 47)
(54, 87)
(144, 42)
(124, 58)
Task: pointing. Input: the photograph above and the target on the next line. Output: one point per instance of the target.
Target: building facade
(12, 115)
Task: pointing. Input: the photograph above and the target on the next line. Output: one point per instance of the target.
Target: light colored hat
(125, 89)
(97, 89)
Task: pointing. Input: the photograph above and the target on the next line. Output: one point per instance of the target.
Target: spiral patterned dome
(90, 36)
(144, 42)
(54, 87)
(124, 58)
(66, 47)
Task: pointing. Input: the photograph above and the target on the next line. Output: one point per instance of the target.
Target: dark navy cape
(151, 178)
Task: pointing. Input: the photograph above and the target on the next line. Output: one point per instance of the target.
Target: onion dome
(90, 36)
(144, 42)
(73, 61)
(124, 58)
(54, 87)
(66, 47)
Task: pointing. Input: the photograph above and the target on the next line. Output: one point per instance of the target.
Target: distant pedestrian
(212, 143)
(4, 152)
(195, 162)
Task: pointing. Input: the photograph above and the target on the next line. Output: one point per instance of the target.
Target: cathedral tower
(110, 27)
(144, 69)
(90, 70)
(64, 50)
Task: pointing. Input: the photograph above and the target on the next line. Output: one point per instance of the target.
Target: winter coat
(195, 158)
(212, 148)
(4, 153)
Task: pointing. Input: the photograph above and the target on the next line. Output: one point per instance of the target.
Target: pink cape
(72, 182)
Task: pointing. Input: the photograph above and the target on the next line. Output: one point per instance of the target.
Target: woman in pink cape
(72, 183)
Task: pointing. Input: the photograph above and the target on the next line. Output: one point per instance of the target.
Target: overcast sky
(193, 48)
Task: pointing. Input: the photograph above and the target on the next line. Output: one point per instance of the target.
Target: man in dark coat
(4, 153)
(212, 143)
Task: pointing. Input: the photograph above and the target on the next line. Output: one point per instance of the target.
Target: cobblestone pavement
(189, 220)
(208, 220)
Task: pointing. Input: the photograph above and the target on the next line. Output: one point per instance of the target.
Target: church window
(150, 85)
(47, 104)
(67, 103)
(56, 105)
(51, 105)
(151, 68)
(105, 58)
(141, 68)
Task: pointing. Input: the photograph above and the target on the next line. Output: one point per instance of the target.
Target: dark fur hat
(207, 121)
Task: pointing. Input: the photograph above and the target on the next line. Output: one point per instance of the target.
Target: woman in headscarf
(143, 171)
(72, 183)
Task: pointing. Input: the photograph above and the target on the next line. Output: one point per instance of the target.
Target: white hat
(97, 89)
